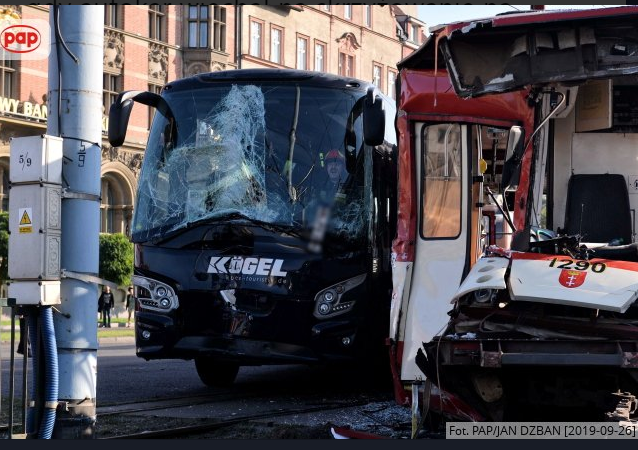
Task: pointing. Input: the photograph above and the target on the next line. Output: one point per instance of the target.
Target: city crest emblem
(572, 278)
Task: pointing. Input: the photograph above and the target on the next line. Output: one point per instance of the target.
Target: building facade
(147, 46)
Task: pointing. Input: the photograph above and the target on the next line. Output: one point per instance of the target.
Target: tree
(116, 258)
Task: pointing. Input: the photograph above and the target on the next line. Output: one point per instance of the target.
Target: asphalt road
(123, 377)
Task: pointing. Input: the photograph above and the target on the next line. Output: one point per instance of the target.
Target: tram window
(441, 181)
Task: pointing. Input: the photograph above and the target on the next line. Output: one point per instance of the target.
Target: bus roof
(269, 75)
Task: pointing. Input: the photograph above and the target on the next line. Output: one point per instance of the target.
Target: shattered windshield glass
(269, 153)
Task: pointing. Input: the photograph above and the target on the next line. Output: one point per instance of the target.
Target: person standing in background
(106, 302)
(130, 306)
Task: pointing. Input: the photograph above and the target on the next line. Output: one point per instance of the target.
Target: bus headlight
(324, 308)
(329, 302)
(155, 295)
(161, 291)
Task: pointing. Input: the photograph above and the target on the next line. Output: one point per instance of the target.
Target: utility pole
(75, 114)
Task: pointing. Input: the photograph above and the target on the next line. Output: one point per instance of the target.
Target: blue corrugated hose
(51, 373)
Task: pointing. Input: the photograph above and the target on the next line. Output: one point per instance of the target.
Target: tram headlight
(332, 301)
(483, 295)
(155, 295)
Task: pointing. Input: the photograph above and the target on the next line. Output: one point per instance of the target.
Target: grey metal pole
(75, 114)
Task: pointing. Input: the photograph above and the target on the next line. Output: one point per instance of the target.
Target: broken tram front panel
(543, 324)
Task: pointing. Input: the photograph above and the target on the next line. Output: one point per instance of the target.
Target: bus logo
(246, 266)
(20, 39)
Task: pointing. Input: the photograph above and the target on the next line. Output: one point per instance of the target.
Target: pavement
(109, 339)
(119, 339)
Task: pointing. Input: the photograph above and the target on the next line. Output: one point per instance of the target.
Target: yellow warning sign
(26, 220)
(26, 224)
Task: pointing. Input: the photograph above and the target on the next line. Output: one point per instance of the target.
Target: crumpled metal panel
(502, 54)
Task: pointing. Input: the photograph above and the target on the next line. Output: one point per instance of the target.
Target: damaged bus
(535, 319)
(264, 216)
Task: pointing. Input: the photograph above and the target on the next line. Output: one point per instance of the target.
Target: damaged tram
(515, 265)
(247, 249)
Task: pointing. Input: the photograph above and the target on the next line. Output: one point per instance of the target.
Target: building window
(414, 33)
(392, 80)
(156, 22)
(275, 45)
(302, 53)
(368, 15)
(346, 65)
(347, 12)
(377, 72)
(320, 51)
(155, 89)
(116, 204)
(4, 195)
(219, 28)
(256, 38)
(111, 16)
(112, 87)
(7, 75)
(198, 26)
(107, 209)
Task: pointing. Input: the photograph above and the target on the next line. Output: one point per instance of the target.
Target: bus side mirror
(373, 119)
(513, 158)
(120, 112)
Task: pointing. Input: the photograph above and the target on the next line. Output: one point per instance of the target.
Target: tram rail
(214, 424)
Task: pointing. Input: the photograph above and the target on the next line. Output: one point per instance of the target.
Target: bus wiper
(180, 230)
(223, 218)
(292, 192)
(288, 229)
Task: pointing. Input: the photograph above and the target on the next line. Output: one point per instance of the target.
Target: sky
(440, 14)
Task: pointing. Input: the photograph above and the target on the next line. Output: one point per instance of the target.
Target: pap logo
(20, 39)
(26, 39)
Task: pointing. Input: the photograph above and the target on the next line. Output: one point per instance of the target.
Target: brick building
(146, 46)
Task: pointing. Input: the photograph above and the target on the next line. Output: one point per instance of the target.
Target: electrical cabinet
(36, 159)
(34, 292)
(35, 228)
(35, 219)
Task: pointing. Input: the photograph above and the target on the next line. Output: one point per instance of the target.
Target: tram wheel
(216, 373)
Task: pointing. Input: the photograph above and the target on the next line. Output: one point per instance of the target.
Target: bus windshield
(267, 152)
